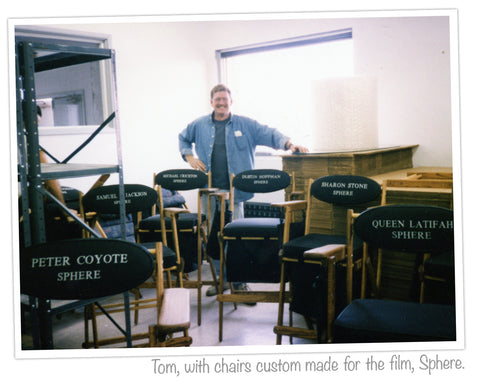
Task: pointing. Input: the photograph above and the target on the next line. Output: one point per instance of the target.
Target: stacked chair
(415, 184)
(318, 267)
(103, 201)
(407, 229)
(177, 227)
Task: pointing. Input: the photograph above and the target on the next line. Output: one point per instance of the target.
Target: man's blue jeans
(238, 213)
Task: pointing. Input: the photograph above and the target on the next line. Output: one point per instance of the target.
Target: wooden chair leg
(86, 317)
(220, 305)
(330, 298)
(220, 292)
(214, 273)
(169, 278)
(281, 301)
(199, 303)
(232, 290)
(220, 321)
(290, 322)
(90, 315)
(138, 296)
(152, 336)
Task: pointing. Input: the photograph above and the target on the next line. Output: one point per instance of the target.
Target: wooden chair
(104, 202)
(178, 225)
(253, 243)
(318, 259)
(173, 312)
(403, 228)
(119, 266)
(431, 188)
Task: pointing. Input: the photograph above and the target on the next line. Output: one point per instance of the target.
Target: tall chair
(104, 202)
(173, 312)
(405, 228)
(432, 188)
(253, 243)
(183, 229)
(66, 270)
(311, 263)
(157, 226)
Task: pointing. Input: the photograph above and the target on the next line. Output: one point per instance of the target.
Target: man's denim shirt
(242, 135)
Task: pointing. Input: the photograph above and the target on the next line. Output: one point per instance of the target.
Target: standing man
(225, 144)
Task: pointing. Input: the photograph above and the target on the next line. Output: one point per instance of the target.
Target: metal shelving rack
(32, 173)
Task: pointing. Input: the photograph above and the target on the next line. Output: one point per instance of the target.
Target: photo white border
(297, 349)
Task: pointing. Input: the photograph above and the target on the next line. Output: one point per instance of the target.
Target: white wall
(166, 69)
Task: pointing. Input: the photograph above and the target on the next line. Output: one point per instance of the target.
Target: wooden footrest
(175, 312)
(250, 296)
(308, 334)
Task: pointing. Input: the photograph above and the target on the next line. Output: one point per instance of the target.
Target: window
(73, 99)
(272, 82)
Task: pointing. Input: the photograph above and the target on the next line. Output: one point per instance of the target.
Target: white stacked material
(344, 114)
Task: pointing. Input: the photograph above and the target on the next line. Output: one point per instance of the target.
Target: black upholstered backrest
(105, 199)
(181, 179)
(83, 268)
(411, 228)
(346, 190)
(261, 180)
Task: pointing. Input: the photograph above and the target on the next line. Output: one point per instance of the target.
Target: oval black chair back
(261, 180)
(181, 179)
(409, 228)
(404, 229)
(83, 268)
(105, 199)
(345, 190)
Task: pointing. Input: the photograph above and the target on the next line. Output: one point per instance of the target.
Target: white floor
(247, 325)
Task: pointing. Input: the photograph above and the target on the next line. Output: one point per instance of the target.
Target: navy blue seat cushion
(253, 227)
(169, 256)
(372, 320)
(187, 240)
(185, 220)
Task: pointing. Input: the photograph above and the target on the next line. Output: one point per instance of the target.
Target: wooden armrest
(173, 211)
(206, 191)
(222, 195)
(292, 205)
(331, 250)
(175, 310)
